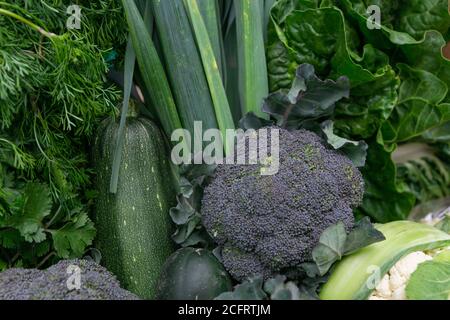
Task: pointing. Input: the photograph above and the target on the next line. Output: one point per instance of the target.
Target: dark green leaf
(248, 290)
(73, 238)
(182, 212)
(362, 235)
(330, 248)
(309, 98)
(386, 199)
(279, 289)
(251, 121)
(355, 151)
(33, 206)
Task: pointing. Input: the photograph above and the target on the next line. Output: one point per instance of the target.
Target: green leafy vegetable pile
(53, 93)
(399, 88)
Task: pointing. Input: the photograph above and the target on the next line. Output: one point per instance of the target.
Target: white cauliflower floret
(393, 284)
(383, 288)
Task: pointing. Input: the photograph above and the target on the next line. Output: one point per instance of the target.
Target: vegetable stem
(28, 23)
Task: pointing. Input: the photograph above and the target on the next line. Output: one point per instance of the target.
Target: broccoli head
(267, 223)
(55, 283)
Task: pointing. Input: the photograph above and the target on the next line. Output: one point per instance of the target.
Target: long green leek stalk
(211, 16)
(210, 65)
(253, 83)
(130, 62)
(152, 70)
(184, 66)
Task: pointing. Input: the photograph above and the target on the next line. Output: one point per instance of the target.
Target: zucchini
(349, 278)
(192, 274)
(133, 225)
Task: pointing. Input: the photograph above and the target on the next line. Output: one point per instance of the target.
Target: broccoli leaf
(308, 99)
(186, 215)
(362, 235)
(30, 210)
(309, 102)
(183, 211)
(73, 238)
(431, 281)
(279, 289)
(334, 243)
(248, 290)
(330, 248)
(252, 121)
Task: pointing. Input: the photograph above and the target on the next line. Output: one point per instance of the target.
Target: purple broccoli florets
(96, 283)
(266, 223)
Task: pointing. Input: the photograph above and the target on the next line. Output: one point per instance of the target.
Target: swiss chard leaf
(413, 118)
(385, 199)
(422, 84)
(399, 79)
(355, 151)
(420, 16)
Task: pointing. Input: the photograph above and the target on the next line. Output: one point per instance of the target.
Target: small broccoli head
(55, 283)
(267, 223)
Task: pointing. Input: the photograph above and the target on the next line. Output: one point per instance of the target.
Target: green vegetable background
(373, 100)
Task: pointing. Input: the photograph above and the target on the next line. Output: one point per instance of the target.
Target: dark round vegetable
(192, 274)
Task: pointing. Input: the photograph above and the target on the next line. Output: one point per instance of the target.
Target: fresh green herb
(52, 96)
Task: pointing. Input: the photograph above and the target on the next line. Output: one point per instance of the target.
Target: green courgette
(133, 225)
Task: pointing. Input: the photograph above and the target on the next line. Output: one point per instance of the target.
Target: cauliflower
(393, 284)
